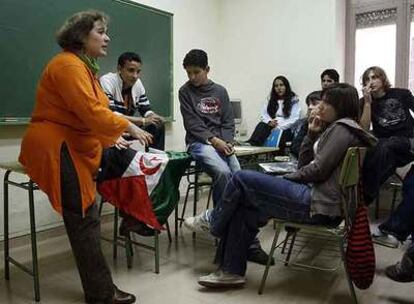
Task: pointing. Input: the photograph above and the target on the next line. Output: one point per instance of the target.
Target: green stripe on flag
(166, 193)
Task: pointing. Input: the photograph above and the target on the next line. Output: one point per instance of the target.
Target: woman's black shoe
(122, 297)
(119, 297)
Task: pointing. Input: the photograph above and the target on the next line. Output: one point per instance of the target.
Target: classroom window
(381, 33)
(411, 65)
(375, 41)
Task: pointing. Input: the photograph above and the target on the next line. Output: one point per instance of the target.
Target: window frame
(403, 23)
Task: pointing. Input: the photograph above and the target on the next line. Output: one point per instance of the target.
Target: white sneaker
(197, 223)
(380, 238)
(221, 278)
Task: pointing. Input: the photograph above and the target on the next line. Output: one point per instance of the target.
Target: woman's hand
(142, 136)
(122, 143)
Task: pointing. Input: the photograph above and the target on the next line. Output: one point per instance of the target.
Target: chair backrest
(349, 181)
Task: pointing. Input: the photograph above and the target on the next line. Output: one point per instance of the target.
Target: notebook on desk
(273, 139)
(279, 167)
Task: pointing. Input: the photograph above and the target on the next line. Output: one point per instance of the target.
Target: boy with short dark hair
(328, 77)
(127, 96)
(209, 124)
(208, 121)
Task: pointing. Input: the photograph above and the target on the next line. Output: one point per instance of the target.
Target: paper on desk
(280, 167)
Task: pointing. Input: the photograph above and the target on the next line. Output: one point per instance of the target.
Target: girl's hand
(315, 125)
(272, 123)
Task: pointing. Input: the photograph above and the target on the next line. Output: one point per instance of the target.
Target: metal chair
(127, 242)
(394, 184)
(336, 237)
(15, 167)
(200, 180)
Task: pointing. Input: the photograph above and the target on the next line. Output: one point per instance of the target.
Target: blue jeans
(401, 222)
(220, 167)
(249, 200)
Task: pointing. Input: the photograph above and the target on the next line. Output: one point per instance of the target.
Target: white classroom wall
(195, 25)
(248, 42)
(266, 38)
(256, 41)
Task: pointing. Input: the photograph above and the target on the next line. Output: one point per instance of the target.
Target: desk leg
(6, 225)
(34, 243)
(115, 232)
(195, 198)
(157, 252)
(176, 220)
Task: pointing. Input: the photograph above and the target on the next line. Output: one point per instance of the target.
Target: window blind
(377, 18)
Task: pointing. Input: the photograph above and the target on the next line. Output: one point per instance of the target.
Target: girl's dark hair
(273, 106)
(315, 95)
(343, 97)
(74, 30)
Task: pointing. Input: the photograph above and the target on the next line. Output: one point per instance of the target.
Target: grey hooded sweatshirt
(206, 112)
(323, 168)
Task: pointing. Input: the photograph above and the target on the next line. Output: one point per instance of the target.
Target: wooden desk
(250, 156)
(252, 150)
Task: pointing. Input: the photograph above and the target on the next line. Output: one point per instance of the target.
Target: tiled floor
(181, 263)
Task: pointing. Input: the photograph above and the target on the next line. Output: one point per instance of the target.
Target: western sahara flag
(143, 185)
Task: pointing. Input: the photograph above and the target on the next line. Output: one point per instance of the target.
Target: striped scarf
(360, 254)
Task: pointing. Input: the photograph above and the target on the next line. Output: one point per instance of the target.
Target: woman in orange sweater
(61, 150)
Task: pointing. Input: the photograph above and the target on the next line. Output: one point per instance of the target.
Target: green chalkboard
(27, 35)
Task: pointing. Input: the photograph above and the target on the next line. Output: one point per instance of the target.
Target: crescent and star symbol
(148, 170)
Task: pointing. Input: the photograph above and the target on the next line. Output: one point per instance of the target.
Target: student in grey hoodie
(310, 195)
(208, 121)
(209, 124)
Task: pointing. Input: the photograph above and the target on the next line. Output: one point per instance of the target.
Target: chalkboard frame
(17, 120)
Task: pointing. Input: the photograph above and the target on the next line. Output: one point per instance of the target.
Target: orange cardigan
(70, 107)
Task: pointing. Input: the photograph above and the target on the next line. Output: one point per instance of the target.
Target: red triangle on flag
(130, 195)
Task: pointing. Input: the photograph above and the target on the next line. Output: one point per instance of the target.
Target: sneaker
(259, 256)
(221, 278)
(402, 271)
(197, 223)
(380, 238)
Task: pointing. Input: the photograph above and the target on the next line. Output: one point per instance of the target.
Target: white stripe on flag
(152, 165)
